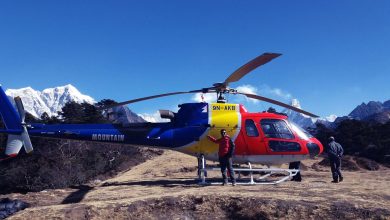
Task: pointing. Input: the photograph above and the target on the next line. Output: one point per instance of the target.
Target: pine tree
(46, 119)
(107, 113)
(72, 113)
(92, 114)
(85, 113)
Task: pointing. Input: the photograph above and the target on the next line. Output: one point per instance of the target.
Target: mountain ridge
(373, 111)
(52, 100)
(305, 121)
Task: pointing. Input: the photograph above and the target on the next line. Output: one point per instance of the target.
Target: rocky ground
(164, 188)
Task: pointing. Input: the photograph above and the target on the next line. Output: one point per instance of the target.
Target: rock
(9, 207)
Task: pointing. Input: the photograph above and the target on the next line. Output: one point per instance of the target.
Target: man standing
(296, 165)
(225, 153)
(335, 152)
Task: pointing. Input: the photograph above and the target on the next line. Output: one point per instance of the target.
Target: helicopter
(267, 137)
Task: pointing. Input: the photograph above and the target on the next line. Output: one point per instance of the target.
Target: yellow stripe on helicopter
(221, 116)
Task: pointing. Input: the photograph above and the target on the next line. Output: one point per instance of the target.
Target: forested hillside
(62, 163)
(365, 139)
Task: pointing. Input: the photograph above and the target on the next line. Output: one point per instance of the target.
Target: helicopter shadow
(162, 183)
(83, 190)
(319, 181)
(78, 195)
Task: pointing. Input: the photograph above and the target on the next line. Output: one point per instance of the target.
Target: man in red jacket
(225, 153)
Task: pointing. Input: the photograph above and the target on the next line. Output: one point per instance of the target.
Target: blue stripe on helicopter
(189, 124)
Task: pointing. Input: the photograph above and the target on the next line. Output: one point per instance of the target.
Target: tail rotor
(15, 125)
(24, 136)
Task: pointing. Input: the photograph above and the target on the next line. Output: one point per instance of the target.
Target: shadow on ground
(78, 195)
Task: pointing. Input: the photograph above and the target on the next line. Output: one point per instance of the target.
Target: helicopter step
(264, 178)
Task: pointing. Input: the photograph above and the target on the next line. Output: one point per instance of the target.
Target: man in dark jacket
(335, 152)
(225, 153)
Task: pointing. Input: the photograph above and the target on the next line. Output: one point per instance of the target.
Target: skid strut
(202, 172)
(265, 173)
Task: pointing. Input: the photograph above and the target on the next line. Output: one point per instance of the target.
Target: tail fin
(10, 117)
(15, 126)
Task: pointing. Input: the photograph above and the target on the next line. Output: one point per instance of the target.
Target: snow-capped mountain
(50, 100)
(123, 115)
(55, 98)
(153, 117)
(300, 119)
(364, 110)
(372, 111)
(305, 121)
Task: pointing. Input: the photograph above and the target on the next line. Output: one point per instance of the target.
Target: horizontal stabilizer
(14, 144)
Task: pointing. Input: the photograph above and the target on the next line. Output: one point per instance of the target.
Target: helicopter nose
(314, 149)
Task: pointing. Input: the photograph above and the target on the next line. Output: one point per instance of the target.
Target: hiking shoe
(341, 179)
(335, 181)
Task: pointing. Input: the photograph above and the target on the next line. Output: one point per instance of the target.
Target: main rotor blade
(251, 65)
(149, 97)
(278, 103)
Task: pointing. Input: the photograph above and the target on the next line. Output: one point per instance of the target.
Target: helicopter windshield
(302, 133)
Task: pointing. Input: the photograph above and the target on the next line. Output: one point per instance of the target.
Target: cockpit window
(275, 128)
(302, 133)
(250, 128)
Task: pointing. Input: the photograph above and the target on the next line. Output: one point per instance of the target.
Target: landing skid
(264, 177)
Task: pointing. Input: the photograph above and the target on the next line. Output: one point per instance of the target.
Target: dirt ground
(165, 188)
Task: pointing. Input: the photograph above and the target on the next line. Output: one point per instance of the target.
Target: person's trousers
(296, 165)
(226, 162)
(335, 166)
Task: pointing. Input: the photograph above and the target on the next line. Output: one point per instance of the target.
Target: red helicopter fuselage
(263, 138)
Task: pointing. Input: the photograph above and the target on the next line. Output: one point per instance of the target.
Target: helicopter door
(253, 138)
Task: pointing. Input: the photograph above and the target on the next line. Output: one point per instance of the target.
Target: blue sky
(336, 54)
